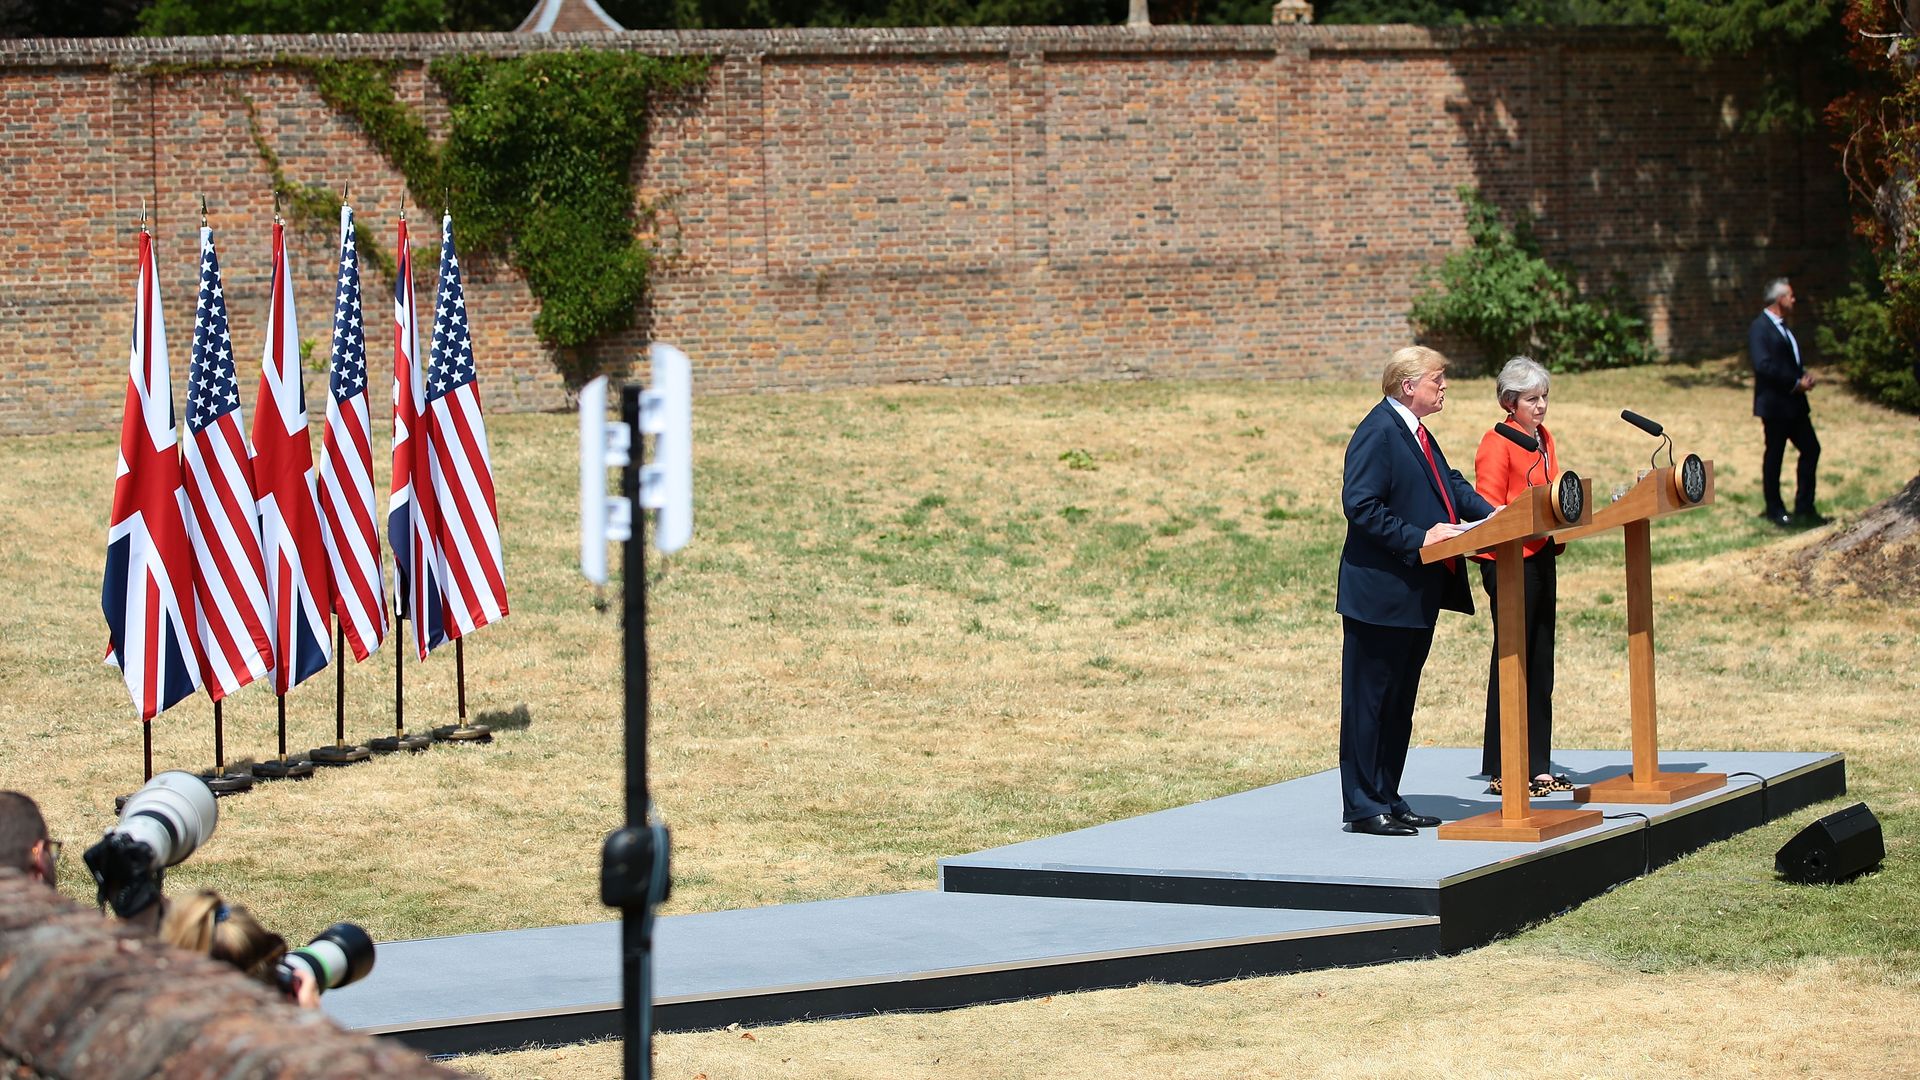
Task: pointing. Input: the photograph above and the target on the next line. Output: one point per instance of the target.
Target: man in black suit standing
(1780, 384)
(1399, 495)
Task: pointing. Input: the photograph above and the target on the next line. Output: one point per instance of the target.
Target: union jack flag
(296, 557)
(472, 572)
(230, 579)
(411, 508)
(346, 468)
(147, 592)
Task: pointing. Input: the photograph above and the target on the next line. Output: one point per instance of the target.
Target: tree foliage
(192, 17)
(1877, 327)
(1504, 297)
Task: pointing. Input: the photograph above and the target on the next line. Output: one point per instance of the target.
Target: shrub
(1858, 335)
(1504, 297)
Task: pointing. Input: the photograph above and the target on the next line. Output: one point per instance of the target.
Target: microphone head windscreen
(1519, 438)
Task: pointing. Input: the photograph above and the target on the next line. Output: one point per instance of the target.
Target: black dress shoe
(1812, 519)
(1382, 825)
(1782, 519)
(1418, 821)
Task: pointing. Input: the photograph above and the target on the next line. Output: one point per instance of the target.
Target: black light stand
(633, 869)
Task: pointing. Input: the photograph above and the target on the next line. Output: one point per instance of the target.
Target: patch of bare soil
(1879, 555)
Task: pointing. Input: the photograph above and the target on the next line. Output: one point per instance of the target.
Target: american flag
(472, 573)
(346, 469)
(410, 507)
(147, 592)
(296, 556)
(230, 580)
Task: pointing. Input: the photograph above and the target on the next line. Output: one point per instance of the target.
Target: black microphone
(1519, 438)
(1641, 422)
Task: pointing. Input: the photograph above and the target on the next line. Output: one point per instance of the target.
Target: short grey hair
(1520, 375)
(1776, 289)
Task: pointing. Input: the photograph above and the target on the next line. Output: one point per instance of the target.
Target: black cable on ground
(1646, 837)
(1766, 810)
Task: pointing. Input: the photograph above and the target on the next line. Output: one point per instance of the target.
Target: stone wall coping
(135, 52)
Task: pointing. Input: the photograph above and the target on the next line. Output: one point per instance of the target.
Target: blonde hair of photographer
(203, 923)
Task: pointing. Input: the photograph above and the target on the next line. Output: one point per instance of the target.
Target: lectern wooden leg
(1647, 785)
(1517, 819)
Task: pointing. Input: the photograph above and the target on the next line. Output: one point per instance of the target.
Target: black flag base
(338, 754)
(228, 783)
(395, 743)
(463, 733)
(283, 769)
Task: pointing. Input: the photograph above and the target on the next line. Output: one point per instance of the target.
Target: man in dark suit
(1399, 495)
(1780, 385)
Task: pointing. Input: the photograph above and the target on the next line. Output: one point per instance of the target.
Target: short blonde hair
(1412, 362)
(203, 923)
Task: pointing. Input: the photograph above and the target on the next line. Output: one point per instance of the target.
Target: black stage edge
(1357, 947)
(1476, 908)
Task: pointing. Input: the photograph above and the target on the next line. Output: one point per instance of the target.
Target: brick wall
(84, 998)
(948, 206)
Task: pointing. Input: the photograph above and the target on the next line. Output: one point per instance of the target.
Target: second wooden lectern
(1537, 512)
(1660, 492)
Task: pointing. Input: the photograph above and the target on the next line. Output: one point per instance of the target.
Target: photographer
(204, 923)
(24, 844)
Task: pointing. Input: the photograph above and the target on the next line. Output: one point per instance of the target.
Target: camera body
(160, 825)
(341, 954)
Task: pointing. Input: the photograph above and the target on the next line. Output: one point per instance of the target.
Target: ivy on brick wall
(537, 165)
(539, 158)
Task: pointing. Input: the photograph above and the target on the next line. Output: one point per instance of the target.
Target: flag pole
(283, 768)
(400, 740)
(218, 778)
(339, 753)
(463, 731)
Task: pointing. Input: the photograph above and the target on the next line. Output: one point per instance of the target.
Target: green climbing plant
(539, 157)
(536, 166)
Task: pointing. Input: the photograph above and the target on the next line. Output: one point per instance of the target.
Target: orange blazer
(1500, 473)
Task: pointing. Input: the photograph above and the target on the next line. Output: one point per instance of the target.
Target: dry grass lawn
(916, 622)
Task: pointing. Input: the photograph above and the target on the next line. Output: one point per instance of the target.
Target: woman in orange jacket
(1501, 471)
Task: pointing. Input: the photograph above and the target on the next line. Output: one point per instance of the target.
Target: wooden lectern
(1538, 511)
(1660, 492)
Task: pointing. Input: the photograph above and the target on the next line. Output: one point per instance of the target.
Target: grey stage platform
(1281, 846)
(901, 951)
(1261, 882)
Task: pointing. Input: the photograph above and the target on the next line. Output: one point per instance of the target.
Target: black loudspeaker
(1833, 849)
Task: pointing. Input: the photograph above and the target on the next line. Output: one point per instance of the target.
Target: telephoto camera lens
(173, 814)
(342, 954)
(160, 825)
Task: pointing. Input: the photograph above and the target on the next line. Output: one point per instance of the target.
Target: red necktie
(1426, 447)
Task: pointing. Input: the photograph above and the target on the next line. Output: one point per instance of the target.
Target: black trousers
(1542, 597)
(1797, 430)
(1379, 680)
